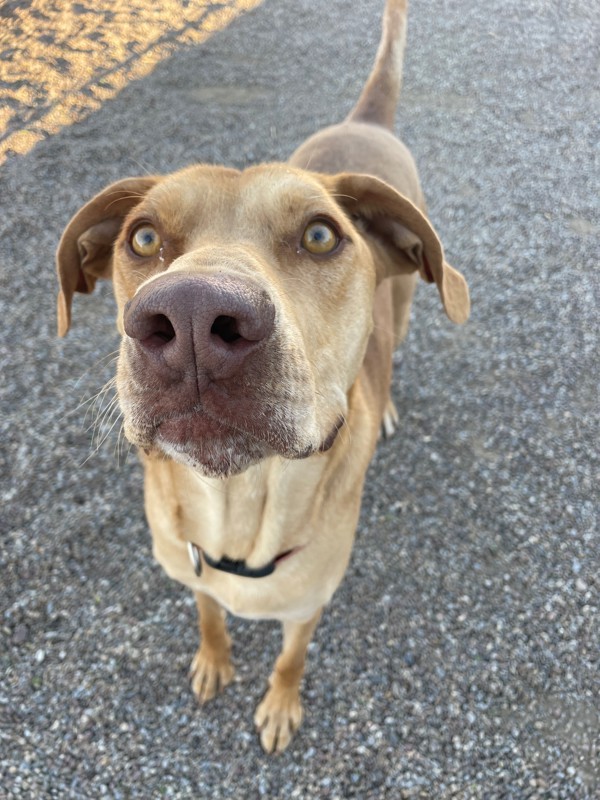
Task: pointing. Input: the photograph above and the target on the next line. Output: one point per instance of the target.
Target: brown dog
(259, 311)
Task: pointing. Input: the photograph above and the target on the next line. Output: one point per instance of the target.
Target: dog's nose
(210, 324)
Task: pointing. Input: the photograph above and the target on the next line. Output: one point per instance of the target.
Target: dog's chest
(254, 518)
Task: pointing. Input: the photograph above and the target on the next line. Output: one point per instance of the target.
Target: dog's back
(365, 143)
(358, 143)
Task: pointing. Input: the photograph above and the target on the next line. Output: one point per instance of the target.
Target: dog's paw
(277, 718)
(209, 675)
(390, 421)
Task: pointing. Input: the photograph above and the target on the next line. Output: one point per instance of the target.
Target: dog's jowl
(259, 311)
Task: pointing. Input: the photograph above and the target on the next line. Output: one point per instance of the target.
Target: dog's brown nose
(207, 324)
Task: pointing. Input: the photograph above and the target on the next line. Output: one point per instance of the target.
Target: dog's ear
(398, 224)
(85, 250)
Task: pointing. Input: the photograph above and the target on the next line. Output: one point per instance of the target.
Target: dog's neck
(280, 499)
(268, 523)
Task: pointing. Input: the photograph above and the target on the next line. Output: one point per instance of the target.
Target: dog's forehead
(277, 189)
(218, 196)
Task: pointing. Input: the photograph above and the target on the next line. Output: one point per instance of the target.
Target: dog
(259, 311)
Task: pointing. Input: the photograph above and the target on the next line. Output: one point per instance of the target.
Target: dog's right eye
(320, 238)
(145, 241)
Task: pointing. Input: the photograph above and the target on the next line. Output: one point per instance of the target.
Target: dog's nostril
(161, 331)
(226, 328)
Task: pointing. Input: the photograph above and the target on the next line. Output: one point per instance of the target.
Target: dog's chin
(218, 451)
(210, 461)
(211, 448)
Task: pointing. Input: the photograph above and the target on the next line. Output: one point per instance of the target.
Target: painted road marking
(60, 61)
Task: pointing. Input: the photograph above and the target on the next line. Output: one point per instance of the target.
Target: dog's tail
(379, 98)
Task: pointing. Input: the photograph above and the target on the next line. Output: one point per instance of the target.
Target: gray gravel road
(460, 657)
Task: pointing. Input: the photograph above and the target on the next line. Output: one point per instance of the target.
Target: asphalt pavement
(460, 656)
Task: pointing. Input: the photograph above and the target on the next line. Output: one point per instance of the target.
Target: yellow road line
(68, 59)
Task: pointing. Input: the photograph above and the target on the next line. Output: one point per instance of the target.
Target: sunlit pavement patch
(60, 61)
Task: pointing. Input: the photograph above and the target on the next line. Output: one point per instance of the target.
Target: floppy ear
(85, 250)
(407, 232)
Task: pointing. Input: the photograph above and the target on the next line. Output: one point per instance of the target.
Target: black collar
(227, 564)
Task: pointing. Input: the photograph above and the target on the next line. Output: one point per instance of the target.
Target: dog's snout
(208, 323)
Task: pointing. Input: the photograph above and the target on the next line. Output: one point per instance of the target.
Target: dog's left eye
(145, 241)
(320, 238)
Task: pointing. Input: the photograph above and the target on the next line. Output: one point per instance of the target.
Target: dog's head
(244, 302)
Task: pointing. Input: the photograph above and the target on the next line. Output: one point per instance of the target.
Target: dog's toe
(390, 421)
(277, 718)
(209, 675)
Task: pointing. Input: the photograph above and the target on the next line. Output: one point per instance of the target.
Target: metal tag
(195, 558)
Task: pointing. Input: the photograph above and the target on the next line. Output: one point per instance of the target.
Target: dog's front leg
(211, 668)
(280, 713)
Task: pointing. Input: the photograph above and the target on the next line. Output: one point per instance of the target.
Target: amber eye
(145, 241)
(320, 238)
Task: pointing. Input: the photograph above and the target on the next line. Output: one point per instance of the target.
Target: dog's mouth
(210, 446)
(220, 448)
